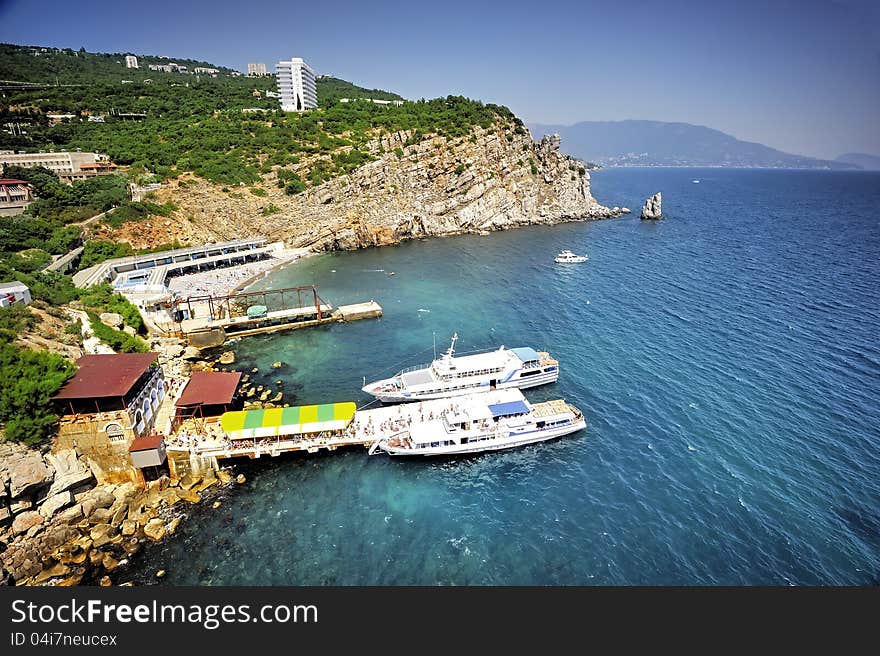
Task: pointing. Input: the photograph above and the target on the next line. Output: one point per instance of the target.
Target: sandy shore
(220, 282)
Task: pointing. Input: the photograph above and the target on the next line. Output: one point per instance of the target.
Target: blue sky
(800, 76)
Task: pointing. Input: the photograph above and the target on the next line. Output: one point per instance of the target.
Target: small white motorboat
(567, 257)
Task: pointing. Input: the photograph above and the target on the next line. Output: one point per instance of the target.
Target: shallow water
(726, 360)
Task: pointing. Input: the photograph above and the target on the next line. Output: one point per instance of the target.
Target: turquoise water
(726, 360)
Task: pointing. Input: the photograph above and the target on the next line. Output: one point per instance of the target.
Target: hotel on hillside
(296, 85)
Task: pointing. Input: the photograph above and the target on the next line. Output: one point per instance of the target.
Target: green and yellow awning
(244, 424)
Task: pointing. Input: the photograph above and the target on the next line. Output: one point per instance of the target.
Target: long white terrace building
(296, 85)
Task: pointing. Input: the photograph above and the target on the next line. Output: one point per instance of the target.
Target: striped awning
(245, 424)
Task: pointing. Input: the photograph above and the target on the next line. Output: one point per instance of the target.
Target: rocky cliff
(494, 179)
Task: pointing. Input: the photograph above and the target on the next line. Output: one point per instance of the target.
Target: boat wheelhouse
(477, 423)
(457, 376)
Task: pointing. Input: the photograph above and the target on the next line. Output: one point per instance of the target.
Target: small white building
(147, 451)
(14, 292)
(296, 85)
(256, 69)
(131, 61)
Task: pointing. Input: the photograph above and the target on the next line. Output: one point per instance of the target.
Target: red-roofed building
(110, 402)
(15, 196)
(208, 394)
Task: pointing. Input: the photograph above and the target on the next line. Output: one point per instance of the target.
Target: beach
(221, 282)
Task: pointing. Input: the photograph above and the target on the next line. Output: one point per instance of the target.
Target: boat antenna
(434, 334)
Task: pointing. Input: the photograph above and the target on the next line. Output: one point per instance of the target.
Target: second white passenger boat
(482, 422)
(456, 376)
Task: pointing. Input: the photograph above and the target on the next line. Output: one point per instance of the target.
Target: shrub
(30, 379)
(295, 186)
(116, 339)
(257, 191)
(270, 210)
(399, 153)
(461, 168)
(14, 320)
(102, 298)
(533, 166)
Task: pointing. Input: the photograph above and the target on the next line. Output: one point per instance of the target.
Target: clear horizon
(800, 77)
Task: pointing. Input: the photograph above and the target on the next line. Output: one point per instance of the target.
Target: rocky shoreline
(63, 529)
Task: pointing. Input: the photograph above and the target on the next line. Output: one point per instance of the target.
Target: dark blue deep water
(727, 360)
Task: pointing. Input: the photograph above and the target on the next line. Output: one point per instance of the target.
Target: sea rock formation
(651, 209)
(493, 179)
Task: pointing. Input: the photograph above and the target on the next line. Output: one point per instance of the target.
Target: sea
(726, 358)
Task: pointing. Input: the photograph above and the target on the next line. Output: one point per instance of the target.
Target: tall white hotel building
(296, 85)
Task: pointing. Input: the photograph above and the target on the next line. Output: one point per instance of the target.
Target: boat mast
(451, 350)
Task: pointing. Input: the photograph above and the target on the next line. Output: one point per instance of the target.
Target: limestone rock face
(70, 473)
(493, 179)
(55, 503)
(26, 521)
(651, 210)
(111, 319)
(27, 473)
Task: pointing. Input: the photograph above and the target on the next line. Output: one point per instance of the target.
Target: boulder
(101, 534)
(224, 476)
(25, 521)
(70, 515)
(189, 481)
(155, 529)
(205, 484)
(228, 357)
(5, 516)
(112, 319)
(27, 473)
(109, 562)
(125, 492)
(651, 211)
(240, 479)
(101, 516)
(128, 330)
(191, 353)
(55, 503)
(119, 512)
(55, 571)
(129, 527)
(97, 498)
(173, 524)
(170, 495)
(189, 495)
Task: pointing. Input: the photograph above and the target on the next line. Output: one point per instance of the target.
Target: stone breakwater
(494, 179)
(59, 528)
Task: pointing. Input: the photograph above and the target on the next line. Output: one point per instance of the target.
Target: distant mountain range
(655, 143)
(862, 160)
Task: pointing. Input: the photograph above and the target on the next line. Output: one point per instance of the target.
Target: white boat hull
(519, 383)
(510, 441)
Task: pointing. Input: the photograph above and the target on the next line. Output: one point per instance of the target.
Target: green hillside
(195, 123)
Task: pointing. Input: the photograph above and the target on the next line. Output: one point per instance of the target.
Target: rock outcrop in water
(651, 210)
(494, 179)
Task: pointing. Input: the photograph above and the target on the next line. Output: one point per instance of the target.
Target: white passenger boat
(567, 257)
(481, 422)
(456, 376)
